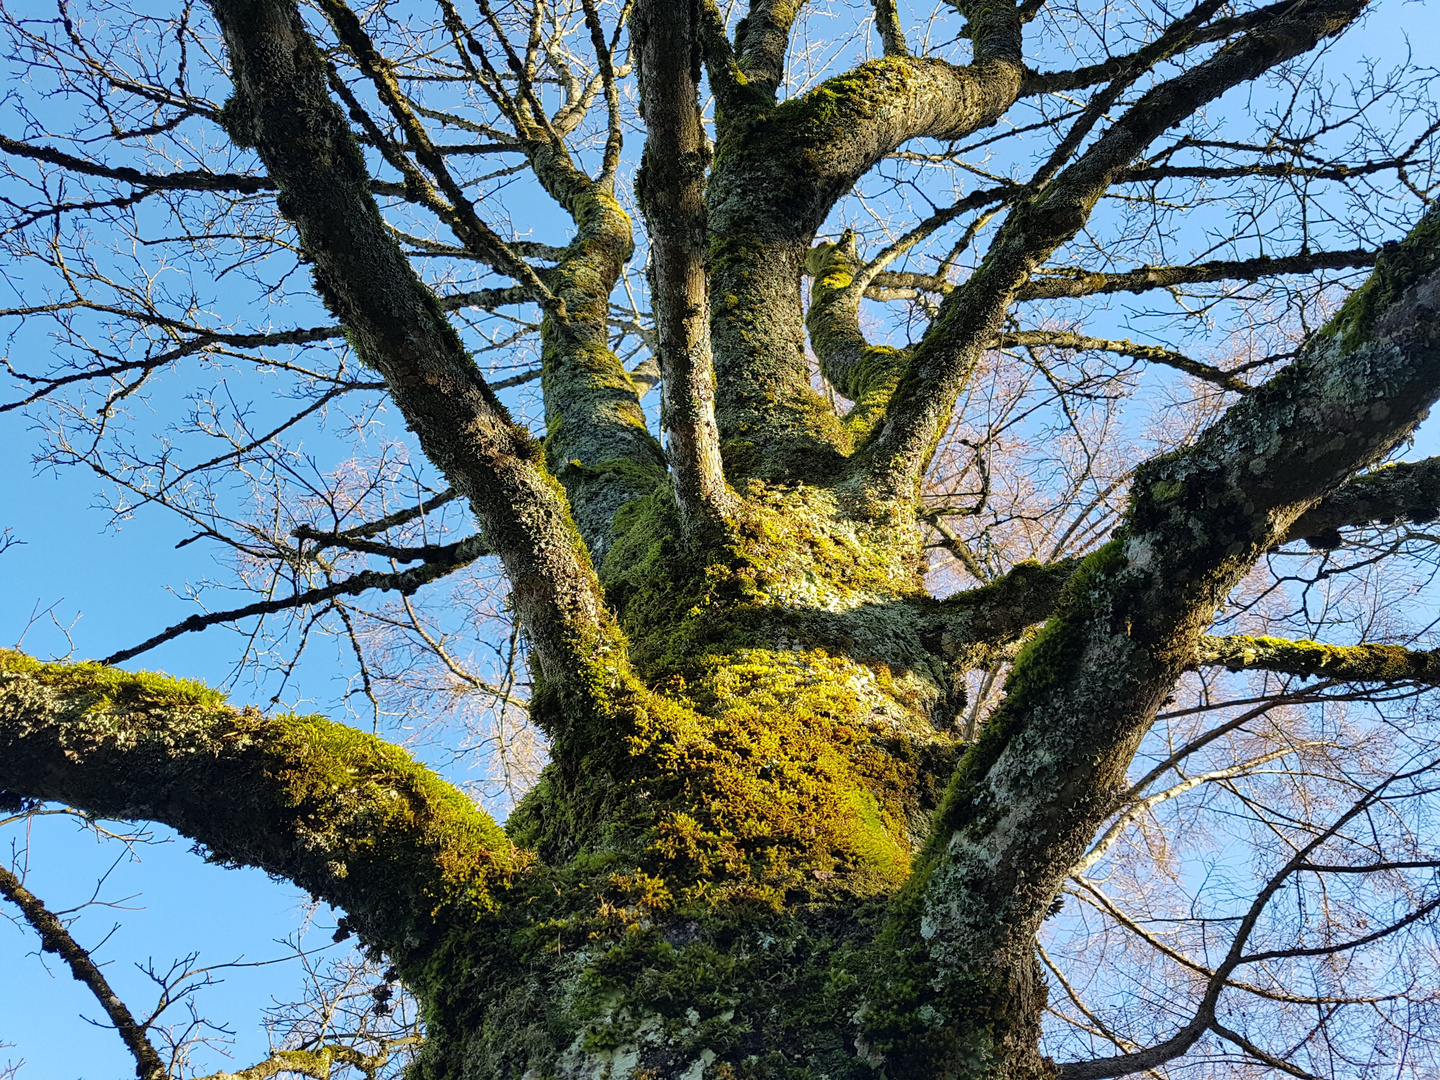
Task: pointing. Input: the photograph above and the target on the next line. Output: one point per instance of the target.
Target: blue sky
(109, 585)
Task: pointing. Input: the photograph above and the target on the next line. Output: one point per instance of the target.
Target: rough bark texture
(761, 848)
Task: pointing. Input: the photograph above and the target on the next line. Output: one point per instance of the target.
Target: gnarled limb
(998, 613)
(1028, 798)
(779, 170)
(342, 814)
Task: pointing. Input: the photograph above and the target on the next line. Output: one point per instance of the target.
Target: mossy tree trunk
(761, 847)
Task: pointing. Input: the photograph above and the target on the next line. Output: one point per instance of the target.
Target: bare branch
(55, 938)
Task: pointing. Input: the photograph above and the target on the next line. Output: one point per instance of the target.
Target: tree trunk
(761, 848)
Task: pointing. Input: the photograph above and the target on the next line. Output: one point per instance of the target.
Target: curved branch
(862, 372)
(1052, 82)
(1205, 1019)
(342, 814)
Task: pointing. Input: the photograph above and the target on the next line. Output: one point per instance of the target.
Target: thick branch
(888, 26)
(339, 812)
(779, 171)
(971, 316)
(55, 938)
(1346, 663)
(999, 613)
(762, 39)
(1404, 490)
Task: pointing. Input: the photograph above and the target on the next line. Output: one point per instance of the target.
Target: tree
(790, 825)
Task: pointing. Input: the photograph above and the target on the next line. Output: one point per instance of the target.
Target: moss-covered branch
(1028, 798)
(596, 441)
(779, 170)
(1406, 490)
(890, 29)
(342, 814)
(1352, 663)
(864, 373)
(998, 614)
(317, 1064)
(761, 41)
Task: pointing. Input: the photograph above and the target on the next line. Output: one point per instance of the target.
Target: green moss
(335, 771)
(112, 688)
(749, 771)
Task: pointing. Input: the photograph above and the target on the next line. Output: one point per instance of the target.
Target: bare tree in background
(1002, 655)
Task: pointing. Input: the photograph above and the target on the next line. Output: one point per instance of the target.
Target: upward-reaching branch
(282, 108)
(671, 189)
(1026, 801)
(971, 316)
(779, 171)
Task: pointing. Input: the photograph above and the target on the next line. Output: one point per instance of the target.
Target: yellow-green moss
(110, 687)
